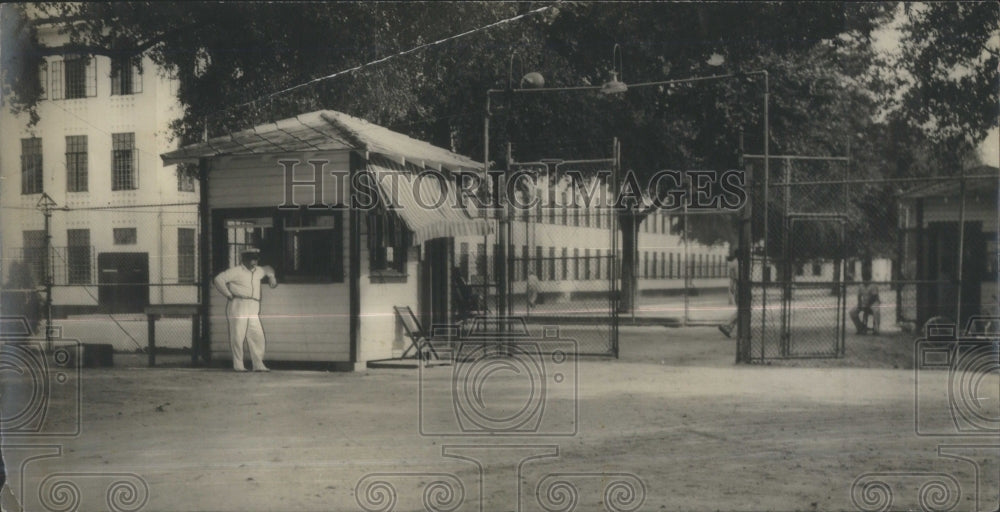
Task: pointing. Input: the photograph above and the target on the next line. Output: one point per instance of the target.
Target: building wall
(99, 209)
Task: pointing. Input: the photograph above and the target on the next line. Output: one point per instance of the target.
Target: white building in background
(569, 250)
(128, 234)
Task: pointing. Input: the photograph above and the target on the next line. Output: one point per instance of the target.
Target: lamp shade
(614, 86)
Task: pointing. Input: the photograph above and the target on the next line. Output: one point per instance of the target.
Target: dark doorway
(435, 282)
(941, 265)
(124, 281)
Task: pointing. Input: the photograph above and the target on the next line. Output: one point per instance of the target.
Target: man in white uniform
(241, 286)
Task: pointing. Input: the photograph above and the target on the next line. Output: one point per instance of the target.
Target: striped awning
(426, 200)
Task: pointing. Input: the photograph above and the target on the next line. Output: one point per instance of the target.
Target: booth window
(312, 247)
(244, 233)
(388, 239)
(302, 246)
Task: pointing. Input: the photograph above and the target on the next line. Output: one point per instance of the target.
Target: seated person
(467, 302)
(868, 303)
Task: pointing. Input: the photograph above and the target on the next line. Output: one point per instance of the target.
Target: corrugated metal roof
(428, 204)
(323, 130)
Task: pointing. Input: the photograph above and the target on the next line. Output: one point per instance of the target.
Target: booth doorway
(940, 298)
(435, 281)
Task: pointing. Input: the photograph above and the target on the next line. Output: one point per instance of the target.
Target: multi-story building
(569, 249)
(124, 231)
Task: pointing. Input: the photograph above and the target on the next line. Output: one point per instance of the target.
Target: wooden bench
(155, 311)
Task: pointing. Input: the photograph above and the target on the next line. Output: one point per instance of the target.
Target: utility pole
(46, 204)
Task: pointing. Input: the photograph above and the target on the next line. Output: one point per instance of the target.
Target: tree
(950, 53)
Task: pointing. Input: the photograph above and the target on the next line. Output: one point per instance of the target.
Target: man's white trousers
(244, 324)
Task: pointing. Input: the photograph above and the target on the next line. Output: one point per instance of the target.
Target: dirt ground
(672, 425)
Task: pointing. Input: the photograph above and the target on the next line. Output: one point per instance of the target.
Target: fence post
(744, 294)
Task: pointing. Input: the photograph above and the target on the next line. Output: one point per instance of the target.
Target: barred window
(552, 207)
(539, 255)
(653, 273)
(78, 255)
(76, 163)
(565, 264)
(185, 255)
(463, 261)
(481, 260)
(31, 166)
(565, 209)
(576, 264)
(77, 76)
(552, 263)
(33, 242)
(388, 240)
(124, 162)
(586, 263)
(125, 236)
(126, 75)
(185, 177)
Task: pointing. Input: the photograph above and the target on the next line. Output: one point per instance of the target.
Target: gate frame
(788, 285)
(745, 299)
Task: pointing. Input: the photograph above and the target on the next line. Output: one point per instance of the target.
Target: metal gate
(813, 299)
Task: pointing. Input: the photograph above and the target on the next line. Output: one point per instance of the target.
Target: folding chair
(420, 342)
(468, 303)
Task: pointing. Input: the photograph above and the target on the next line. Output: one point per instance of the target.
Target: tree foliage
(830, 89)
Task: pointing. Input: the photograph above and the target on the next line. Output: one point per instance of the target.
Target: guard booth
(354, 218)
(949, 271)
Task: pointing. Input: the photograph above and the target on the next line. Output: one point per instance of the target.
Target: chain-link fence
(101, 297)
(837, 256)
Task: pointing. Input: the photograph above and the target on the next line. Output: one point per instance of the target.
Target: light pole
(46, 204)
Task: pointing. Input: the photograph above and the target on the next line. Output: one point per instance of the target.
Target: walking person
(733, 269)
(241, 286)
(531, 290)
